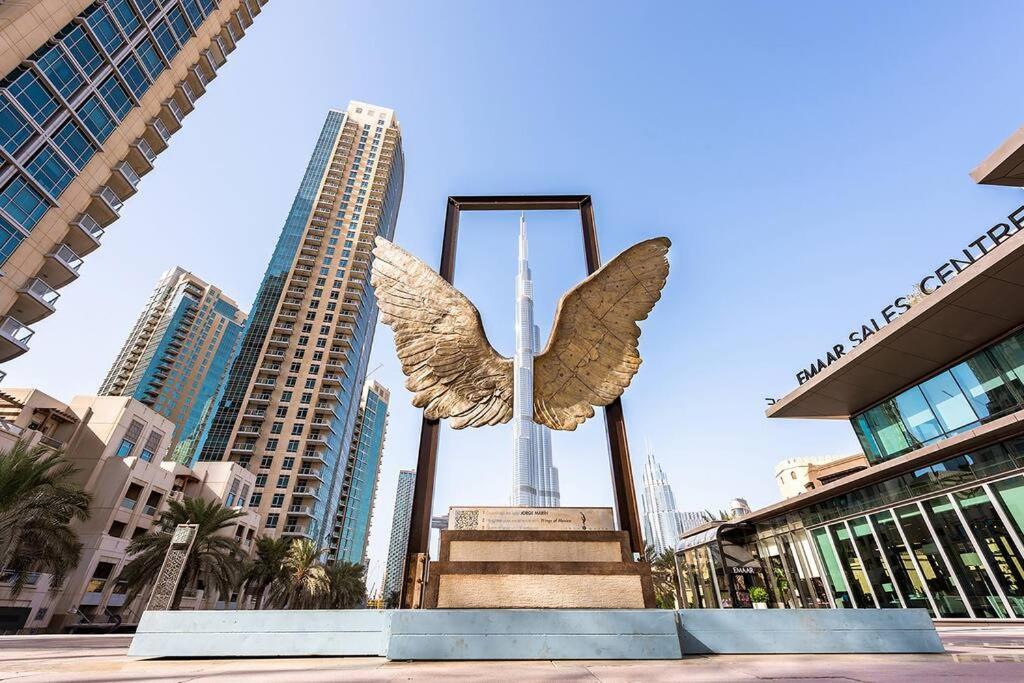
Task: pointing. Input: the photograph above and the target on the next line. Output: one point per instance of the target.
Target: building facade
(176, 356)
(399, 543)
(796, 475)
(361, 475)
(662, 521)
(92, 93)
(534, 477)
(118, 447)
(291, 399)
(936, 398)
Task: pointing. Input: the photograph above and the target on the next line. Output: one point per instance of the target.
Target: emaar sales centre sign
(930, 283)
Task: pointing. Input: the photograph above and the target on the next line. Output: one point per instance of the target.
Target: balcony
(197, 80)
(307, 491)
(172, 114)
(124, 181)
(293, 304)
(317, 440)
(307, 472)
(306, 510)
(279, 340)
(84, 234)
(294, 530)
(260, 398)
(186, 95)
(243, 448)
(60, 267)
(106, 206)
(128, 503)
(314, 456)
(332, 379)
(141, 156)
(254, 414)
(35, 301)
(157, 134)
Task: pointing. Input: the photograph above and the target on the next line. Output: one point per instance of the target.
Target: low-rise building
(118, 447)
(796, 475)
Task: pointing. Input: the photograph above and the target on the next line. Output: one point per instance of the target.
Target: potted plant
(759, 596)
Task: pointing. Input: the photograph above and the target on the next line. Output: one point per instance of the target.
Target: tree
(664, 575)
(259, 573)
(304, 583)
(214, 557)
(38, 502)
(348, 586)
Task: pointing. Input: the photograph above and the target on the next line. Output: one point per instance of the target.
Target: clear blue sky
(808, 160)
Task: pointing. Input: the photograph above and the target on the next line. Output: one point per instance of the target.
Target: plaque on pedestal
(486, 518)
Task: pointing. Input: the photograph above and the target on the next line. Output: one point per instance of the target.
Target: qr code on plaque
(467, 519)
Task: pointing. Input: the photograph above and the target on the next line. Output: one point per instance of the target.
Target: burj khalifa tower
(534, 478)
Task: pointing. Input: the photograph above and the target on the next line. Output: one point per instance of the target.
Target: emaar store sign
(930, 283)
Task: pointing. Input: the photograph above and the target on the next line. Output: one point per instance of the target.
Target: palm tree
(666, 579)
(261, 571)
(348, 586)
(214, 557)
(304, 583)
(38, 501)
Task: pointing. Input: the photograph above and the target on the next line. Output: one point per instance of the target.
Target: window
(131, 437)
(272, 520)
(96, 118)
(147, 7)
(297, 429)
(152, 445)
(50, 171)
(150, 59)
(22, 203)
(293, 446)
(83, 50)
(255, 500)
(10, 238)
(276, 427)
(286, 396)
(103, 28)
(125, 15)
(271, 445)
(14, 128)
(288, 463)
(165, 40)
(134, 76)
(58, 69)
(266, 461)
(282, 481)
(71, 140)
(115, 97)
(33, 96)
(261, 480)
(277, 500)
(179, 25)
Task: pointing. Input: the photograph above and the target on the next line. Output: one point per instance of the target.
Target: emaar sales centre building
(933, 387)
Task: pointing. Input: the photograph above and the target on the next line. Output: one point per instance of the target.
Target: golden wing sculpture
(454, 372)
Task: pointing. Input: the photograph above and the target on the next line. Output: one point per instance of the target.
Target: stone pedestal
(525, 568)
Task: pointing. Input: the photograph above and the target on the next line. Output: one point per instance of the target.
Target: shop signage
(742, 570)
(929, 284)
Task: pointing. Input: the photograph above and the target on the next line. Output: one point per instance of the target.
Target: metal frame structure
(615, 423)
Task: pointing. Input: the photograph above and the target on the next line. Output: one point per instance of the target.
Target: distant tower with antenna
(534, 477)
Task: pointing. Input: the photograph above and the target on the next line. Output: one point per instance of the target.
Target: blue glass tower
(289, 408)
(175, 358)
(362, 472)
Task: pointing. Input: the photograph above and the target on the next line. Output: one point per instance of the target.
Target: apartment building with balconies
(91, 93)
(292, 396)
(176, 356)
(118, 447)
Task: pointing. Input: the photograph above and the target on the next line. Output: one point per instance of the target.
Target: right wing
(452, 369)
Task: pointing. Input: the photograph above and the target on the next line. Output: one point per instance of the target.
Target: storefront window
(1010, 493)
(986, 387)
(918, 416)
(856, 579)
(966, 563)
(900, 561)
(704, 575)
(936, 574)
(718, 569)
(1003, 556)
(951, 406)
(878, 575)
(832, 570)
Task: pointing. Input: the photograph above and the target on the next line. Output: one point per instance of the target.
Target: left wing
(592, 354)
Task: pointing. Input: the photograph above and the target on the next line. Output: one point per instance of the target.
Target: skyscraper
(399, 543)
(292, 396)
(661, 519)
(534, 478)
(362, 471)
(91, 93)
(176, 356)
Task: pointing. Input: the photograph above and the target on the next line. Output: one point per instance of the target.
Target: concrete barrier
(792, 631)
(533, 634)
(480, 634)
(262, 633)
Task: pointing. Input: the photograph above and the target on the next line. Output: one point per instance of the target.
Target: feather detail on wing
(592, 353)
(452, 369)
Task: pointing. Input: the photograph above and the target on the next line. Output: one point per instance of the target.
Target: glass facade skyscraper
(84, 111)
(399, 543)
(662, 521)
(176, 356)
(292, 396)
(362, 472)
